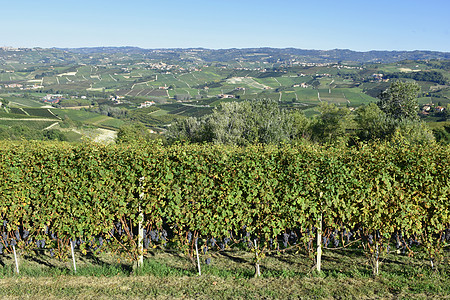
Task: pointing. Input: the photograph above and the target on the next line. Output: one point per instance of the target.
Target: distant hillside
(270, 54)
(95, 55)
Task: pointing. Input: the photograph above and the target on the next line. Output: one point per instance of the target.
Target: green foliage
(243, 123)
(82, 192)
(432, 76)
(136, 133)
(331, 124)
(442, 135)
(22, 132)
(413, 132)
(372, 123)
(394, 117)
(399, 100)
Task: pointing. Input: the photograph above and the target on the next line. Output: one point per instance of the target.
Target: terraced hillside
(107, 87)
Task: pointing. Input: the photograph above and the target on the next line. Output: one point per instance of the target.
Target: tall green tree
(372, 123)
(243, 123)
(331, 124)
(399, 100)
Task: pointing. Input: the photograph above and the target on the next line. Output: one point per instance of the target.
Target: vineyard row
(267, 197)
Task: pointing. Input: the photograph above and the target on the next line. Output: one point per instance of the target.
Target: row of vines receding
(381, 197)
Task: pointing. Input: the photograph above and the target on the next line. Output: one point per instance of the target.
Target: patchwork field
(126, 81)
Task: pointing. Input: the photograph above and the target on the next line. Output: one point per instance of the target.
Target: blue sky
(347, 24)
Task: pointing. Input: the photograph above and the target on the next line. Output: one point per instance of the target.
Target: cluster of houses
(147, 104)
(116, 99)
(13, 49)
(323, 75)
(225, 96)
(22, 87)
(52, 98)
(303, 85)
(430, 108)
(14, 85)
(379, 77)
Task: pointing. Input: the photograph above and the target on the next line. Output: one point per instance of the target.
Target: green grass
(345, 274)
(438, 125)
(158, 113)
(23, 102)
(111, 122)
(73, 136)
(76, 115)
(39, 112)
(28, 123)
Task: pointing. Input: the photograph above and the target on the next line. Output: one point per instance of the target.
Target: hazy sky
(347, 24)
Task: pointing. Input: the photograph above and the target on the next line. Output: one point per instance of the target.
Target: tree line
(395, 115)
(431, 76)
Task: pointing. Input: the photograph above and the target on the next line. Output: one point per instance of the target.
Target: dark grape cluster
(348, 235)
(164, 236)
(225, 242)
(154, 235)
(40, 243)
(293, 238)
(285, 240)
(370, 239)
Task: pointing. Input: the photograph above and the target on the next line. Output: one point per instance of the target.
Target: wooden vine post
(15, 259)
(258, 272)
(319, 241)
(141, 227)
(198, 258)
(377, 255)
(73, 256)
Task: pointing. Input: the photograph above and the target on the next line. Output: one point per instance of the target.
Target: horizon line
(218, 49)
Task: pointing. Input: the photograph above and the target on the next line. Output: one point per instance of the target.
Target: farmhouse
(52, 98)
(147, 104)
(13, 85)
(225, 96)
(303, 85)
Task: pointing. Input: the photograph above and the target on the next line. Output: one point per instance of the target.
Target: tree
(413, 132)
(372, 123)
(243, 123)
(399, 101)
(331, 124)
(135, 133)
(189, 129)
